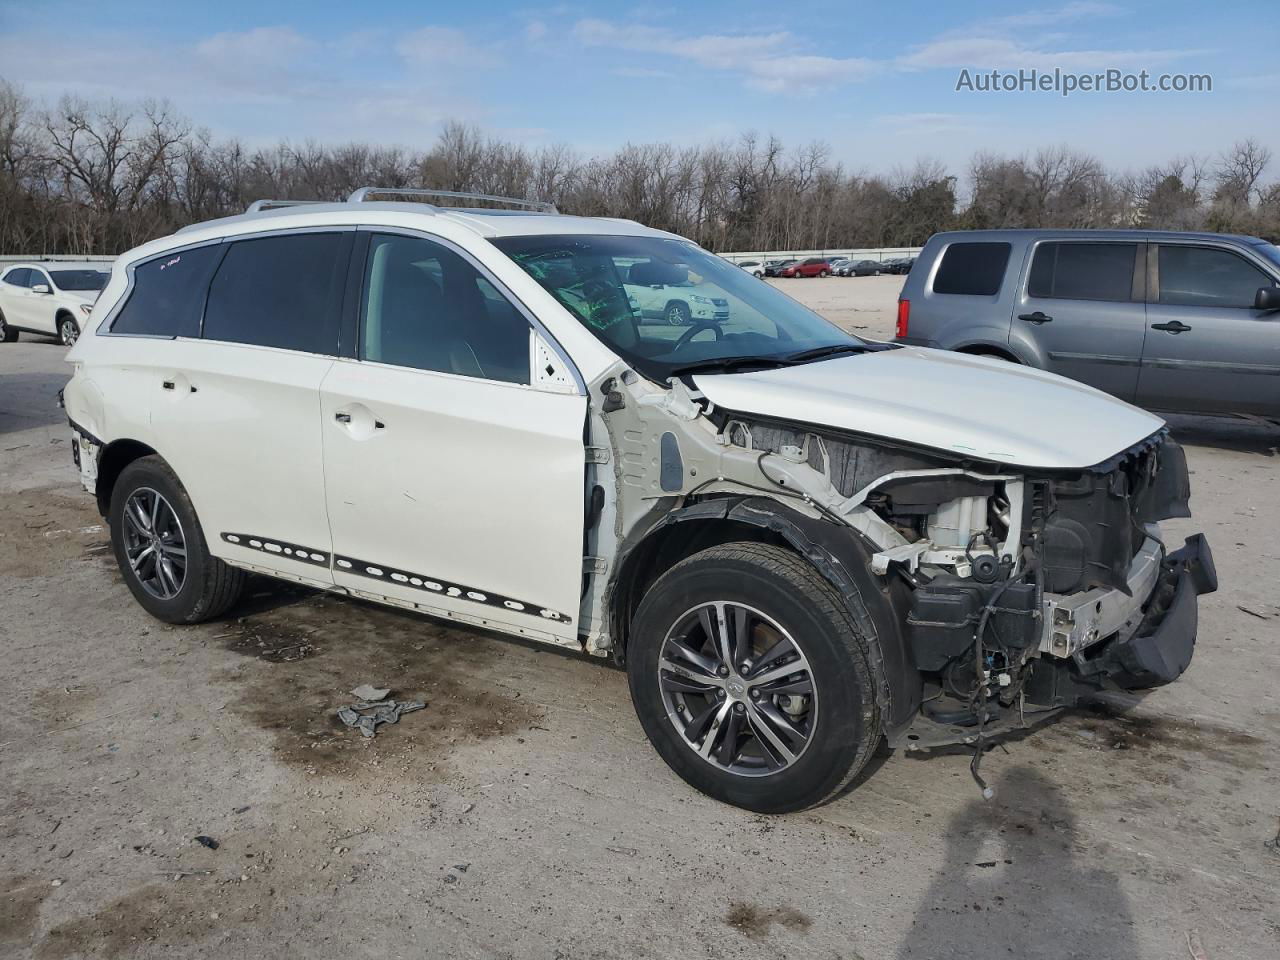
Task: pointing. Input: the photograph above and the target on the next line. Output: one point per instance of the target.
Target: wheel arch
(838, 555)
(982, 349)
(115, 456)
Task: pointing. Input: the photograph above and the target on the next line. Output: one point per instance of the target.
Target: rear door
(13, 296)
(1207, 349)
(1081, 311)
(453, 483)
(236, 407)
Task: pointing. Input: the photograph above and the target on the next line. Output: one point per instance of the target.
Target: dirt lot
(522, 814)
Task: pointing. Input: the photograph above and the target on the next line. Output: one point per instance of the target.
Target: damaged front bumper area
(1159, 650)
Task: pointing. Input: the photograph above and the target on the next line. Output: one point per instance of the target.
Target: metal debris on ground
(209, 842)
(1274, 844)
(370, 712)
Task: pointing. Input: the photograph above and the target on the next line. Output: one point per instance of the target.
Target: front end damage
(994, 593)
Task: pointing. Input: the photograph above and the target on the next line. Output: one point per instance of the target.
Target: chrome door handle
(1036, 318)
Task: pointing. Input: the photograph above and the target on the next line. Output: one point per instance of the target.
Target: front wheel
(68, 331)
(751, 678)
(161, 550)
(823, 273)
(677, 313)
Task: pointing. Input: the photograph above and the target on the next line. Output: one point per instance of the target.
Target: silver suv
(1186, 322)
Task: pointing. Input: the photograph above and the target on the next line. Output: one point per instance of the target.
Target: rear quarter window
(168, 294)
(972, 269)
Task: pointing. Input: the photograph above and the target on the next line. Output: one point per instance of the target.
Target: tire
(68, 331)
(677, 314)
(823, 273)
(783, 596)
(7, 333)
(208, 586)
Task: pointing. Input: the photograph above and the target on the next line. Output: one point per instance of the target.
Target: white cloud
(535, 30)
(261, 47)
(1000, 53)
(769, 61)
(437, 46)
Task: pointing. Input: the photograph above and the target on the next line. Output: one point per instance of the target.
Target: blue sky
(876, 81)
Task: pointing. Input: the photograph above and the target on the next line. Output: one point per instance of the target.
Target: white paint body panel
(468, 481)
(980, 406)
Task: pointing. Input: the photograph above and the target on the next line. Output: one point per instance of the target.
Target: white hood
(975, 406)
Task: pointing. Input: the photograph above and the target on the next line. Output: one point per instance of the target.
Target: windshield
(79, 279)
(665, 305)
(1271, 252)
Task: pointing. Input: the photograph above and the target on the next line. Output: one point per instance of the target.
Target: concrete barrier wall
(853, 253)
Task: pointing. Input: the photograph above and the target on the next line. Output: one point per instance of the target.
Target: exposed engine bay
(1011, 591)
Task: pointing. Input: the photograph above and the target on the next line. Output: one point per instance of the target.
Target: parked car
(799, 543)
(899, 266)
(839, 264)
(865, 268)
(661, 292)
(753, 267)
(809, 267)
(774, 268)
(51, 298)
(1171, 321)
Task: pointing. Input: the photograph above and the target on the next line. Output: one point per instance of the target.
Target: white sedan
(53, 298)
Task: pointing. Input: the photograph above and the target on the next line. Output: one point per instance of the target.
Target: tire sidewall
(62, 333)
(835, 742)
(187, 605)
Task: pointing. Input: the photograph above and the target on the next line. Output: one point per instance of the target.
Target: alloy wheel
(70, 333)
(154, 543)
(738, 688)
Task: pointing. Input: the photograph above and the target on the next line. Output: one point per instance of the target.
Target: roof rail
(364, 193)
(259, 205)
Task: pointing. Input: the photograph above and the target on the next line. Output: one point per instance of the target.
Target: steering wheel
(693, 331)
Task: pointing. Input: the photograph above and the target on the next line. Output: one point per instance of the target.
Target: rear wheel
(7, 333)
(751, 679)
(161, 550)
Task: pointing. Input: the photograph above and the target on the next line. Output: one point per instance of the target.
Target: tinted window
(974, 269)
(38, 277)
(428, 308)
(18, 277)
(168, 294)
(1208, 277)
(1083, 271)
(280, 292)
(80, 279)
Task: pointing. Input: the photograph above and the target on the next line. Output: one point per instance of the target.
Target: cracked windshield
(668, 307)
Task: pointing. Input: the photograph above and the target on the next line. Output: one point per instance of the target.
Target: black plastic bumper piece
(1161, 648)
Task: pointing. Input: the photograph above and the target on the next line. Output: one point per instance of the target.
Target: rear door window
(168, 294)
(283, 291)
(1208, 277)
(1083, 271)
(972, 269)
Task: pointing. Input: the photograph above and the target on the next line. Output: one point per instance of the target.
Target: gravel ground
(522, 813)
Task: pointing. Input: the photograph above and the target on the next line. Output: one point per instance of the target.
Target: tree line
(83, 177)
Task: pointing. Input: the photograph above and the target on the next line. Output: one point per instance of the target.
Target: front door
(1207, 349)
(1082, 309)
(452, 484)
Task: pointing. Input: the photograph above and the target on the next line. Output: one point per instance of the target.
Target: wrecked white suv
(799, 543)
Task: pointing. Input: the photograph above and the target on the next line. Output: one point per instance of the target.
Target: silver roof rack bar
(259, 205)
(364, 193)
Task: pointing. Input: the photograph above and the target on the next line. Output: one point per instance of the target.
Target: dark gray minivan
(1185, 322)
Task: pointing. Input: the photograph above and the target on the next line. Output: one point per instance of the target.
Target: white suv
(799, 543)
(48, 297)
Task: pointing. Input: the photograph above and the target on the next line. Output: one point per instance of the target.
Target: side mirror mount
(44, 288)
(1267, 298)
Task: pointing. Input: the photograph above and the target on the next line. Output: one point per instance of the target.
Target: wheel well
(983, 350)
(662, 550)
(115, 457)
